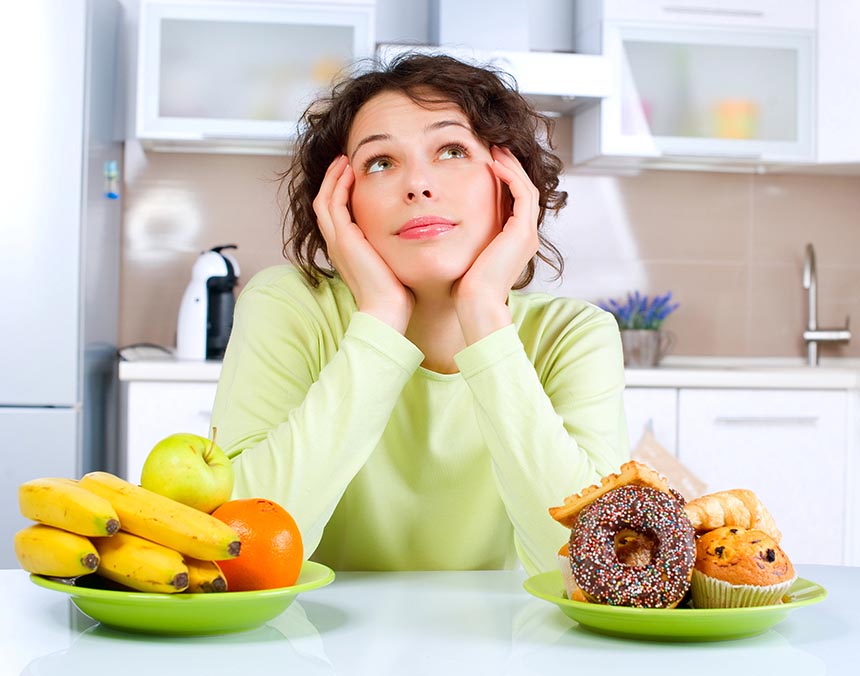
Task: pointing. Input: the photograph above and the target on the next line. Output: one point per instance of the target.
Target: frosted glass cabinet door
(710, 92)
(237, 71)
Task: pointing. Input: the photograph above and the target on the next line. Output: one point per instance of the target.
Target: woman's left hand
(481, 294)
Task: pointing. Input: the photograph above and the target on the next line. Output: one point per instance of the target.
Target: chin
(431, 279)
(431, 271)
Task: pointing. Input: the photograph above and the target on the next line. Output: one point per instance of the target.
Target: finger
(324, 196)
(505, 158)
(339, 202)
(523, 191)
(334, 171)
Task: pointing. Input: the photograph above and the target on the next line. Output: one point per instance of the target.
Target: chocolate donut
(651, 523)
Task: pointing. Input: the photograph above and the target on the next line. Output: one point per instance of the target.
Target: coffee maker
(206, 311)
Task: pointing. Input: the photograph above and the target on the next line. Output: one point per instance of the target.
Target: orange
(271, 553)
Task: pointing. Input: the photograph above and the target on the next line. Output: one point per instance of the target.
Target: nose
(418, 185)
(412, 195)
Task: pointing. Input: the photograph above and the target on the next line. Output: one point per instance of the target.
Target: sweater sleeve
(300, 409)
(551, 433)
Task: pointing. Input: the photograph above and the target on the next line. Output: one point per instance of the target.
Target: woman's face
(424, 195)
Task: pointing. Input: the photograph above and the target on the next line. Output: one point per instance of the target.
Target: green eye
(375, 164)
(453, 151)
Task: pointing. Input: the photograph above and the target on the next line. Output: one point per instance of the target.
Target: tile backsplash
(730, 246)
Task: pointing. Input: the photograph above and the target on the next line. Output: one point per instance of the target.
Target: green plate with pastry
(678, 624)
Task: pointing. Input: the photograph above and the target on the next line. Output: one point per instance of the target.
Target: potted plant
(640, 319)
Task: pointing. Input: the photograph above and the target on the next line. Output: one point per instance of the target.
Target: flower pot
(644, 348)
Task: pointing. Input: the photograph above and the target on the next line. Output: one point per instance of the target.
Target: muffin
(737, 568)
(571, 589)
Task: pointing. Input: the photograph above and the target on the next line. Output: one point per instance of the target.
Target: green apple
(190, 469)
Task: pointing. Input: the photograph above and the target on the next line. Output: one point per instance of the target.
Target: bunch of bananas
(123, 532)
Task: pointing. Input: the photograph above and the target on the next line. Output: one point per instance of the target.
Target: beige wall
(730, 246)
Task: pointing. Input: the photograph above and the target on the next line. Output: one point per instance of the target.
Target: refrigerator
(59, 244)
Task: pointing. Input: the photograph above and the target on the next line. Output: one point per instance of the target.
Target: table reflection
(288, 639)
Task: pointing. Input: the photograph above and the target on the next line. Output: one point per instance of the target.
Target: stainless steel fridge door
(42, 65)
(34, 442)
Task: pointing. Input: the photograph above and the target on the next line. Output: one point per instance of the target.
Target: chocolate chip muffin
(736, 567)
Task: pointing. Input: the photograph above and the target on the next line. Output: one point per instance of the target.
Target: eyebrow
(441, 124)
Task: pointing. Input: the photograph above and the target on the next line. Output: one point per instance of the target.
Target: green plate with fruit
(678, 624)
(186, 614)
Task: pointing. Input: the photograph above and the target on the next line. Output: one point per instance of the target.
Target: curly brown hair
(499, 115)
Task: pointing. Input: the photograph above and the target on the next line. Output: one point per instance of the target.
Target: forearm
(539, 454)
(480, 315)
(304, 457)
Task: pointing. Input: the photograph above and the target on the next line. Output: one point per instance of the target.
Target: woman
(410, 408)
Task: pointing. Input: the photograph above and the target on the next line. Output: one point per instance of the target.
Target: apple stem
(214, 434)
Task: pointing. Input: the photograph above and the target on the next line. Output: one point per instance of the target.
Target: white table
(440, 623)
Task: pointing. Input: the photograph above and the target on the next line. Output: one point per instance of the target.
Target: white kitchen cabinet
(838, 96)
(236, 76)
(762, 14)
(789, 446)
(154, 410)
(697, 86)
(654, 408)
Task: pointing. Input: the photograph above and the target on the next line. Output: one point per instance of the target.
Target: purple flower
(639, 311)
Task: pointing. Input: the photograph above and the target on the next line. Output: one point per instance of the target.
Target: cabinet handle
(728, 154)
(245, 136)
(204, 412)
(714, 11)
(800, 420)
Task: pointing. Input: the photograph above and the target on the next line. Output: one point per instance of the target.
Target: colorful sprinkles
(596, 568)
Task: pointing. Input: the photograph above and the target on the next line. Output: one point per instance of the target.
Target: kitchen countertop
(478, 622)
(788, 373)
(741, 372)
(170, 370)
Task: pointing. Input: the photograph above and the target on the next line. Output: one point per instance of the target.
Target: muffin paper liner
(709, 592)
(567, 575)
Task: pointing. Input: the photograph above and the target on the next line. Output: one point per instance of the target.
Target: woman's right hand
(377, 290)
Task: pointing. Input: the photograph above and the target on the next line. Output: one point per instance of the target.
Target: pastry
(736, 567)
(633, 546)
(631, 474)
(737, 507)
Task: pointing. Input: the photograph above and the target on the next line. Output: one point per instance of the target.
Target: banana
(65, 504)
(46, 550)
(140, 564)
(204, 576)
(163, 520)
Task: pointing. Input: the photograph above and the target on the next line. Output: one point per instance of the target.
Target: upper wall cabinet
(236, 76)
(838, 94)
(722, 85)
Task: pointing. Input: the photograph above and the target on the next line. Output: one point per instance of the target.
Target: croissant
(736, 507)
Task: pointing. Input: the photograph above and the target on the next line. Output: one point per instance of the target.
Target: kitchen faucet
(813, 335)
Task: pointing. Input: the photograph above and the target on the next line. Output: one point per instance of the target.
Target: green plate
(679, 624)
(188, 614)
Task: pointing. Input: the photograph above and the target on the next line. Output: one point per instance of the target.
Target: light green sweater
(388, 466)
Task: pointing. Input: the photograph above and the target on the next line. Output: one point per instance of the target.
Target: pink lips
(425, 227)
